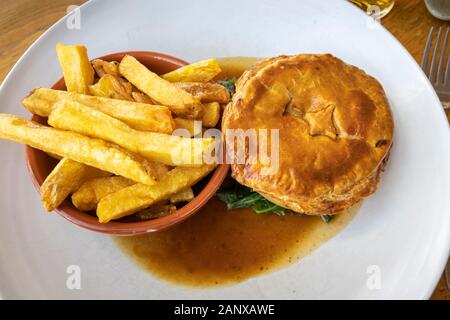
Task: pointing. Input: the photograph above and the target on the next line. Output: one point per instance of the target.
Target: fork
(439, 79)
(440, 82)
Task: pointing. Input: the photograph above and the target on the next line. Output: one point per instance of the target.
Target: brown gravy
(235, 66)
(219, 247)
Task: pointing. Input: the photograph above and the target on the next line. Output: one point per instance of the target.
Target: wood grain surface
(23, 21)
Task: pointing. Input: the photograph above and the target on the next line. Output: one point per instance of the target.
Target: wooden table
(22, 21)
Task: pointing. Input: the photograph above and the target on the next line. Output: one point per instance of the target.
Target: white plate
(404, 228)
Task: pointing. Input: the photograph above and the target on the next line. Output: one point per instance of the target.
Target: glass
(439, 8)
(385, 6)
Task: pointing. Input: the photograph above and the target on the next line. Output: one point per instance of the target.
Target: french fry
(93, 152)
(207, 92)
(77, 70)
(210, 119)
(178, 101)
(102, 67)
(141, 97)
(91, 191)
(66, 178)
(182, 196)
(78, 76)
(140, 116)
(159, 147)
(156, 211)
(212, 114)
(201, 71)
(139, 196)
(109, 86)
(192, 126)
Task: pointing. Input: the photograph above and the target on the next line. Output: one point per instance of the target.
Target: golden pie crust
(335, 131)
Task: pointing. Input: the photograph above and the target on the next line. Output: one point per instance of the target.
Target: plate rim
(426, 292)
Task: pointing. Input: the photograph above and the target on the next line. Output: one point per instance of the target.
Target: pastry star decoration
(321, 122)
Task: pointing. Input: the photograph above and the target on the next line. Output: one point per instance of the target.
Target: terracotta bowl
(40, 165)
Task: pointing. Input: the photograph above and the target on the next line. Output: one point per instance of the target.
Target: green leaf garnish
(230, 84)
(239, 196)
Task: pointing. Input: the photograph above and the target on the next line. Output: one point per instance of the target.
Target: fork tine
(447, 71)
(435, 54)
(441, 60)
(447, 68)
(426, 52)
